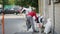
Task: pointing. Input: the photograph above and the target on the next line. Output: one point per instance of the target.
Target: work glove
(37, 21)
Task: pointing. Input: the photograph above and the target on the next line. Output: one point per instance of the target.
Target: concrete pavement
(14, 24)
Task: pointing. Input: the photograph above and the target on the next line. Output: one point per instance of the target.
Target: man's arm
(36, 18)
(22, 10)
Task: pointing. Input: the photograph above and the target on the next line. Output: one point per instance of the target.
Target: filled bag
(37, 24)
(48, 26)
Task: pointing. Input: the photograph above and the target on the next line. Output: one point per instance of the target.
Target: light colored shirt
(27, 10)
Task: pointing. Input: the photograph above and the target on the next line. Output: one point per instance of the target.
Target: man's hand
(37, 20)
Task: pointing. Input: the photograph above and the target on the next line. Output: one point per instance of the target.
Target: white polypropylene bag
(35, 24)
(48, 26)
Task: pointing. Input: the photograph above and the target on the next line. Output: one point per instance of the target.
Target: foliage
(11, 2)
(1, 2)
(5, 2)
(33, 3)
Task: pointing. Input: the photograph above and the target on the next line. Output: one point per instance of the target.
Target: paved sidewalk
(13, 16)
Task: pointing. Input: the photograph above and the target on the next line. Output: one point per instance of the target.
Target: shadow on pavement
(55, 32)
(25, 33)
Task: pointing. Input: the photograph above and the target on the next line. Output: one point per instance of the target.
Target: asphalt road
(0, 29)
(14, 24)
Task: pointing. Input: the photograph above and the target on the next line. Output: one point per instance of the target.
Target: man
(30, 22)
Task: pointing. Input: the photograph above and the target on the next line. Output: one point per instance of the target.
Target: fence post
(3, 24)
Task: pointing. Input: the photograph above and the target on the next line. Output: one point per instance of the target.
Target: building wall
(40, 5)
(43, 8)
